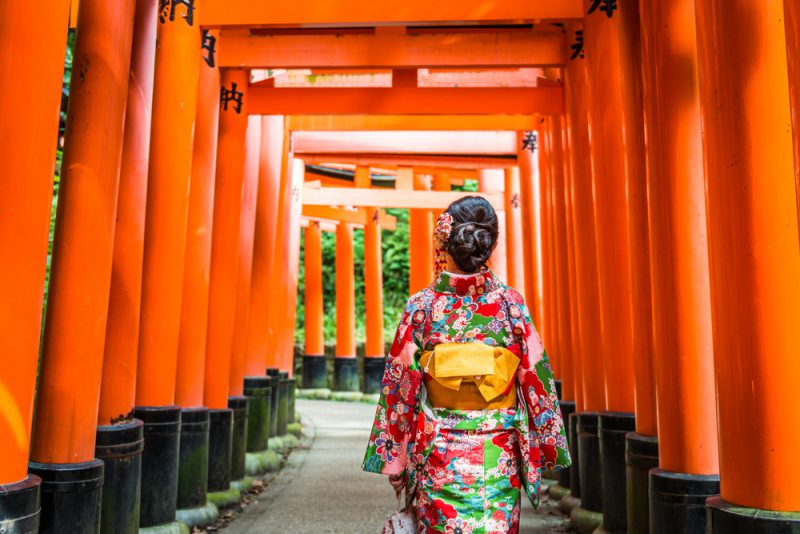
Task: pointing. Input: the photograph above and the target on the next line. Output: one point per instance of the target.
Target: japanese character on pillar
(209, 44)
(168, 8)
(514, 201)
(605, 6)
(231, 95)
(577, 46)
(529, 141)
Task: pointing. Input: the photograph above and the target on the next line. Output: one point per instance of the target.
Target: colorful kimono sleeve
(536, 380)
(394, 428)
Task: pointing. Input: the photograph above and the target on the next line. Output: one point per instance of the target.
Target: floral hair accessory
(444, 225)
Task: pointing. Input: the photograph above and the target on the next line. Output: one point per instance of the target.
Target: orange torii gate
(715, 235)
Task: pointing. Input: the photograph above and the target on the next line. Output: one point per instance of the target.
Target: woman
(468, 411)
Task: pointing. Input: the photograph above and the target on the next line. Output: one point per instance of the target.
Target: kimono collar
(465, 284)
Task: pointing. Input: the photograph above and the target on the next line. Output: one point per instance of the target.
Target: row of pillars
(671, 266)
(506, 261)
(172, 270)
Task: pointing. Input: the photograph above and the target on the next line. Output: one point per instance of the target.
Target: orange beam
(406, 100)
(681, 308)
(465, 166)
(314, 304)
(349, 123)
(77, 304)
(261, 289)
(309, 13)
(394, 50)
(118, 386)
(360, 216)
(172, 142)
(32, 43)
(225, 245)
(464, 143)
(753, 248)
(246, 239)
(389, 198)
(197, 258)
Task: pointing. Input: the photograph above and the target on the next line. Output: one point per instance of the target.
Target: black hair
(474, 233)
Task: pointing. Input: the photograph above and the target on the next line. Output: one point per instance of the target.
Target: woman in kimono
(468, 413)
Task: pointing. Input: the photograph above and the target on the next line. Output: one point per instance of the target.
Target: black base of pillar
(239, 441)
(575, 468)
(590, 465)
(19, 506)
(292, 399)
(193, 459)
(283, 403)
(727, 518)
(120, 448)
(315, 372)
(565, 475)
(559, 389)
(220, 444)
(345, 374)
(162, 431)
(641, 455)
(71, 496)
(259, 390)
(612, 428)
(678, 501)
(275, 374)
(373, 374)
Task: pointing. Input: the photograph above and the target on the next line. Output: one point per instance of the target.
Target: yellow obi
(470, 376)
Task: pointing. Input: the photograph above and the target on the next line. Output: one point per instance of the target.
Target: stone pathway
(323, 490)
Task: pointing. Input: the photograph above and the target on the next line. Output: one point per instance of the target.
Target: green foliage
(395, 280)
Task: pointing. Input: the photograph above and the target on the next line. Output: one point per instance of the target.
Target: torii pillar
(72, 355)
(515, 260)
(170, 167)
(683, 351)
(493, 181)
(584, 422)
(374, 356)
(527, 154)
(345, 368)
(315, 370)
(117, 431)
(617, 159)
(31, 69)
(420, 232)
(224, 275)
(193, 508)
(754, 262)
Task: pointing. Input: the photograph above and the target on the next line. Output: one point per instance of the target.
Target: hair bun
(474, 233)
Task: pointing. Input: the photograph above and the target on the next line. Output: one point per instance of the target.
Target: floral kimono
(464, 468)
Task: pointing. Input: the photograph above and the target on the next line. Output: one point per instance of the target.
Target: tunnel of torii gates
(642, 158)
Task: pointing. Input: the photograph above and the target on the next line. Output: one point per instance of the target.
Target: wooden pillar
(687, 439)
(531, 228)
(420, 232)
(792, 10)
(262, 293)
(197, 258)
(592, 371)
(118, 386)
(492, 181)
(374, 363)
(246, 237)
(315, 372)
(515, 261)
(550, 165)
(753, 256)
(72, 355)
(32, 43)
(345, 373)
(226, 237)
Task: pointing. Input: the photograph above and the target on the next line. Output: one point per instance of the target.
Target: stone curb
(198, 517)
(170, 528)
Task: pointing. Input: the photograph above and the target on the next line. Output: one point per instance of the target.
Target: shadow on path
(323, 490)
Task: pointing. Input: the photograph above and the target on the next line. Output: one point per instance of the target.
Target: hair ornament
(444, 225)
